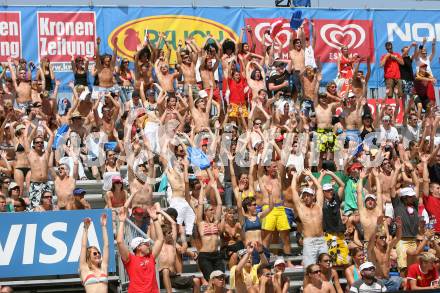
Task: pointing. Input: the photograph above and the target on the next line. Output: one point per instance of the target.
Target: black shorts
(177, 281)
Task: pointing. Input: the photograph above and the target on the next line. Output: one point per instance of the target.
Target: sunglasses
(38, 142)
(47, 197)
(315, 272)
(326, 260)
(95, 253)
(370, 269)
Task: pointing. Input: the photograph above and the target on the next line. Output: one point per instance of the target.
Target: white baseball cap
(307, 190)
(203, 94)
(370, 196)
(279, 261)
(135, 242)
(327, 186)
(366, 265)
(407, 191)
(216, 274)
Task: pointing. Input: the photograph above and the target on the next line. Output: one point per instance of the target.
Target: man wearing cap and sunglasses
(405, 207)
(140, 263)
(309, 208)
(368, 283)
(39, 163)
(370, 207)
(332, 223)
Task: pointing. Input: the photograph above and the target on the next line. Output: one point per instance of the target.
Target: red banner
(332, 34)
(62, 34)
(268, 30)
(10, 35)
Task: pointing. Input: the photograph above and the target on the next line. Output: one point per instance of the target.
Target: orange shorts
(235, 110)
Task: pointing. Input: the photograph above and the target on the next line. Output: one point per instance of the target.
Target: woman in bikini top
(93, 266)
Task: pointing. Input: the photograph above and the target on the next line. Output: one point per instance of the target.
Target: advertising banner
(59, 32)
(48, 243)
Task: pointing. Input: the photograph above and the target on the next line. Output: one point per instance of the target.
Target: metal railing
(130, 231)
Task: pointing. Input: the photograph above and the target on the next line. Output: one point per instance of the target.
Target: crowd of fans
(249, 149)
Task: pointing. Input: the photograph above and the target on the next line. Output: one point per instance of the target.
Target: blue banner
(58, 32)
(48, 243)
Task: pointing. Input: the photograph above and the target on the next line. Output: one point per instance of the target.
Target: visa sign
(131, 34)
(48, 243)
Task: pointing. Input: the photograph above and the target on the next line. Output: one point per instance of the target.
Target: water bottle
(10, 207)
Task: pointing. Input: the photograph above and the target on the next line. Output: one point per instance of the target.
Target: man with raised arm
(309, 208)
(39, 163)
(200, 108)
(370, 207)
(140, 263)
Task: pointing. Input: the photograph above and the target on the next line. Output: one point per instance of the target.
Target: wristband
(154, 220)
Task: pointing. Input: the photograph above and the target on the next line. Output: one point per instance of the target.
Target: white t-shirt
(410, 133)
(388, 134)
(309, 56)
(420, 60)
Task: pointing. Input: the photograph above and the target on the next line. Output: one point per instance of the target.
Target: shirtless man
(379, 250)
(370, 208)
(352, 118)
(167, 263)
(22, 86)
(141, 176)
(297, 56)
(200, 108)
(180, 198)
(310, 213)
(276, 220)
(105, 66)
(64, 184)
(165, 78)
(385, 176)
(325, 109)
(109, 115)
(39, 164)
(359, 84)
(187, 60)
(310, 82)
(207, 69)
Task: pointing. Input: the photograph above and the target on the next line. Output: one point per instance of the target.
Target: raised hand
(122, 215)
(87, 222)
(104, 219)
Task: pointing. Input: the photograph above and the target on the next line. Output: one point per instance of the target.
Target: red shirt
(432, 206)
(237, 95)
(391, 67)
(423, 280)
(142, 273)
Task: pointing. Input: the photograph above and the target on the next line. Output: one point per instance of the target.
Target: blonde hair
(88, 258)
